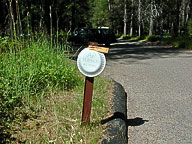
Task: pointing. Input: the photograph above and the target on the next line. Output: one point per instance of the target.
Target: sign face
(91, 63)
(94, 46)
(100, 49)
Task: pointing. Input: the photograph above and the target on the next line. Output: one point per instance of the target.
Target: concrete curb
(116, 130)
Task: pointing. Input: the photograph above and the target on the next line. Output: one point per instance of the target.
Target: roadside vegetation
(41, 90)
(181, 41)
(166, 37)
(41, 95)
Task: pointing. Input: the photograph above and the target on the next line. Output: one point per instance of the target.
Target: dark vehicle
(86, 35)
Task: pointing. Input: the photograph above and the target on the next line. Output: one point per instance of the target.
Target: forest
(41, 93)
(133, 17)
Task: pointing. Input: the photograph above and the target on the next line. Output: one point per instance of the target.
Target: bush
(183, 42)
(167, 37)
(117, 35)
(188, 45)
(135, 38)
(186, 42)
(153, 38)
(125, 37)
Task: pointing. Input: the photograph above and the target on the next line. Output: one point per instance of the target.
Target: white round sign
(91, 63)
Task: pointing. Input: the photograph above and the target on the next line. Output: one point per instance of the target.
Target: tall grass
(29, 73)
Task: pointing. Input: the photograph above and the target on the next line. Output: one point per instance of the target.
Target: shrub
(188, 42)
(135, 38)
(153, 38)
(188, 45)
(125, 37)
(183, 42)
(167, 37)
(118, 35)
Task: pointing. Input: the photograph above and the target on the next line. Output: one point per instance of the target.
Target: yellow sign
(99, 49)
(94, 46)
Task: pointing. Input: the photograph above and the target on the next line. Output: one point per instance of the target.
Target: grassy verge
(41, 97)
(181, 42)
(59, 120)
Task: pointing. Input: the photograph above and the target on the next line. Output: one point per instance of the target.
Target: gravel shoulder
(158, 81)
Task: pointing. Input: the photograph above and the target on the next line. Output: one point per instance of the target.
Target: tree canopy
(141, 17)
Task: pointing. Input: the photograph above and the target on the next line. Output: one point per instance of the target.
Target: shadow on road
(130, 122)
(135, 51)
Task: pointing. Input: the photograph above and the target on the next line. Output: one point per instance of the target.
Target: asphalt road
(158, 82)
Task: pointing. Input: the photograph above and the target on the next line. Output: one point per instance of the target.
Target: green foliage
(125, 37)
(7, 45)
(68, 14)
(118, 35)
(189, 27)
(188, 44)
(178, 42)
(30, 73)
(100, 13)
(183, 42)
(153, 38)
(29, 79)
(167, 37)
(135, 38)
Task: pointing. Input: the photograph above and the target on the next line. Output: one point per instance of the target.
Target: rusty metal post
(88, 92)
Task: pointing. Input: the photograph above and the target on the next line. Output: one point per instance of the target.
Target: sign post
(90, 63)
(88, 92)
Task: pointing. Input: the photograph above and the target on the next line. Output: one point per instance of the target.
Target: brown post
(88, 92)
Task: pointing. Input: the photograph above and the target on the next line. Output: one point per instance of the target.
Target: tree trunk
(131, 23)
(12, 21)
(161, 19)
(139, 17)
(190, 10)
(177, 18)
(151, 20)
(19, 25)
(73, 16)
(51, 25)
(109, 9)
(125, 18)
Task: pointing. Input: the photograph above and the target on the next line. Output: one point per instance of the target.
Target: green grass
(41, 97)
(30, 72)
(60, 119)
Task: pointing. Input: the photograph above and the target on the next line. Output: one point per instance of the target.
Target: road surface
(158, 82)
